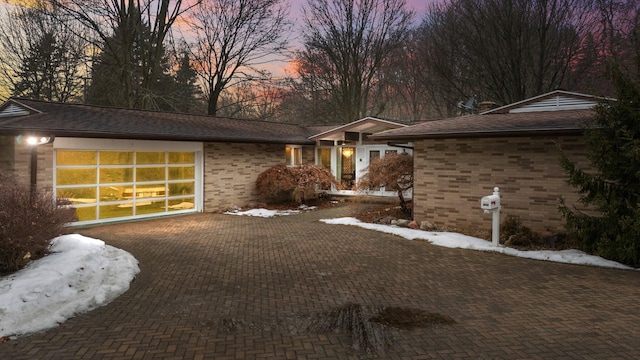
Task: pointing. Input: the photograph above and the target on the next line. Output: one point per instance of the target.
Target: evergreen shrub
(611, 192)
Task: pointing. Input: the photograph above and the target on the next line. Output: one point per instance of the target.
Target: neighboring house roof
(552, 101)
(74, 120)
(365, 125)
(555, 112)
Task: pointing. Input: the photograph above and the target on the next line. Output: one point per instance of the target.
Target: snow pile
(79, 274)
(454, 240)
(270, 213)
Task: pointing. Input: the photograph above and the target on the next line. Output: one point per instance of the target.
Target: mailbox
(490, 202)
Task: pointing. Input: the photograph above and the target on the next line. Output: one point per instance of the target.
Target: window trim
(293, 155)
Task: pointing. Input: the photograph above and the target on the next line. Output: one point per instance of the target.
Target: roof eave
(344, 127)
(480, 134)
(161, 137)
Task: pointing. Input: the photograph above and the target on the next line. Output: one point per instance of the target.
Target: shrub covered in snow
(29, 219)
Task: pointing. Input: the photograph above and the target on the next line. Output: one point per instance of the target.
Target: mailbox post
(491, 204)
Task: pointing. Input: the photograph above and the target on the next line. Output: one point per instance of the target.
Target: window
(324, 158)
(293, 155)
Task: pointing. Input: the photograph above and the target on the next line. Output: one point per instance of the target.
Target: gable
(366, 125)
(557, 100)
(557, 103)
(13, 110)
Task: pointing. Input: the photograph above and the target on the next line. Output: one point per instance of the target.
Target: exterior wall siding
(452, 175)
(45, 166)
(308, 154)
(7, 157)
(15, 159)
(231, 169)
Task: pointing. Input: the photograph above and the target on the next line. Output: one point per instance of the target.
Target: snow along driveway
(454, 240)
(78, 275)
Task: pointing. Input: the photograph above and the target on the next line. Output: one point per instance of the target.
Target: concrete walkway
(217, 286)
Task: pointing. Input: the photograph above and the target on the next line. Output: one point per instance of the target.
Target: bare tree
(444, 71)
(250, 100)
(133, 32)
(505, 50)
(404, 87)
(232, 38)
(618, 32)
(40, 60)
(309, 96)
(347, 42)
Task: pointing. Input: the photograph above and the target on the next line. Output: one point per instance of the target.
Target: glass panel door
(347, 167)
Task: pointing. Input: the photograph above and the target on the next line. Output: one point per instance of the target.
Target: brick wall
(45, 166)
(308, 154)
(451, 175)
(7, 154)
(15, 159)
(231, 169)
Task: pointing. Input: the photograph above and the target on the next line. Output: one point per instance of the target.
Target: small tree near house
(298, 183)
(394, 172)
(29, 219)
(613, 189)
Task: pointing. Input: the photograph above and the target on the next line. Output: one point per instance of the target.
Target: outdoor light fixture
(34, 141)
(38, 140)
(347, 152)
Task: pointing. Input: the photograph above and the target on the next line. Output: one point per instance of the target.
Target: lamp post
(34, 142)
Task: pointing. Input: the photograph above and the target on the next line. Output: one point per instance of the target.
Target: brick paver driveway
(230, 287)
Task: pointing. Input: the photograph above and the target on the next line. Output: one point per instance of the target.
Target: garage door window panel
(125, 184)
(150, 174)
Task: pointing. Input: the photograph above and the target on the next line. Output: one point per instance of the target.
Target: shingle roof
(494, 124)
(76, 120)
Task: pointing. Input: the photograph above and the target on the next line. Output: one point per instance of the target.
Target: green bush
(609, 223)
(298, 183)
(29, 219)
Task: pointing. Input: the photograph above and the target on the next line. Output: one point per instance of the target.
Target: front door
(347, 167)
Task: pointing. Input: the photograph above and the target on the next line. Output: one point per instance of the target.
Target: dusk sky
(419, 6)
(278, 69)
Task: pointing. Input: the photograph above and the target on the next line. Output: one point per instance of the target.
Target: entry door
(347, 167)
